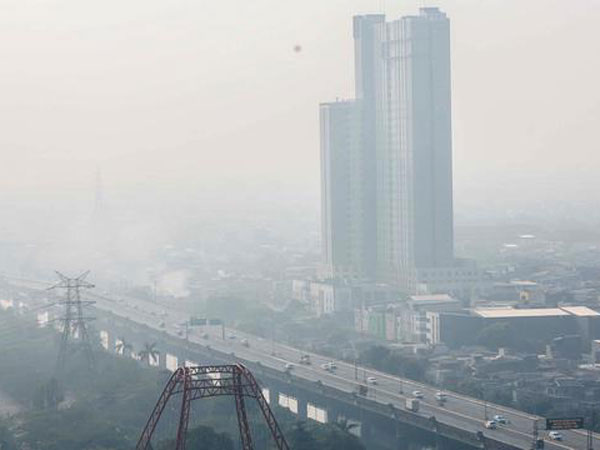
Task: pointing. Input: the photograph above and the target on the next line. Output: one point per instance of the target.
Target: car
(555, 435)
(288, 366)
(204, 335)
(179, 332)
(232, 336)
(440, 396)
(305, 359)
(418, 394)
(490, 424)
(500, 419)
(245, 342)
(329, 366)
(371, 380)
(161, 324)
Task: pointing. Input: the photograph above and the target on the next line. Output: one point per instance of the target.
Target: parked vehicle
(491, 424)
(245, 342)
(288, 366)
(412, 404)
(371, 380)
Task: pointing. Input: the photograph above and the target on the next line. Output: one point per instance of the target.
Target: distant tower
(415, 173)
(74, 323)
(386, 157)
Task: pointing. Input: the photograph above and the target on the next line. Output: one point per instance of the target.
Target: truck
(412, 404)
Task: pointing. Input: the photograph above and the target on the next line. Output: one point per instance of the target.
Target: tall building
(342, 212)
(402, 182)
(415, 170)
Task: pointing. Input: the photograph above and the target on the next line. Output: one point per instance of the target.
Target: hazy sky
(180, 94)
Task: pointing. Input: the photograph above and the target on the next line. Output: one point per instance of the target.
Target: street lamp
(485, 407)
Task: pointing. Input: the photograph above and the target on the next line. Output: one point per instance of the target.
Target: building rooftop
(500, 313)
(509, 312)
(432, 298)
(582, 311)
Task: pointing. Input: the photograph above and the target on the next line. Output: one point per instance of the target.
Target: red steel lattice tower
(194, 383)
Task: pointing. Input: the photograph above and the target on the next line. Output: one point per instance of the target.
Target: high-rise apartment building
(402, 178)
(415, 158)
(342, 212)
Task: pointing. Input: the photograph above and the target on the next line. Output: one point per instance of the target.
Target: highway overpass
(317, 394)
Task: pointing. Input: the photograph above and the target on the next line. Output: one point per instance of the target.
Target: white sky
(188, 93)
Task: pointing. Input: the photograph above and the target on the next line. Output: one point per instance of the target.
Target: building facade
(401, 182)
(344, 237)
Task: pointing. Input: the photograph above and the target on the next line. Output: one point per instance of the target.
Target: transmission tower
(194, 383)
(74, 323)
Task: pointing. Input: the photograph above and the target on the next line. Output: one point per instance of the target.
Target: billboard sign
(564, 423)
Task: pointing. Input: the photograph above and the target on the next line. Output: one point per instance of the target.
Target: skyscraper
(402, 183)
(415, 169)
(342, 210)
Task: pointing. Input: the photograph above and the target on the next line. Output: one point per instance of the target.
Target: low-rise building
(414, 320)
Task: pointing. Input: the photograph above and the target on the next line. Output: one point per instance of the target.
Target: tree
(48, 395)
(122, 346)
(149, 352)
(324, 437)
(300, 438)
(7, 438)
(202, 438)
(345, 425)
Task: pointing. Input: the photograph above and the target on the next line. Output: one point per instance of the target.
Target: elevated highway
(460, 419)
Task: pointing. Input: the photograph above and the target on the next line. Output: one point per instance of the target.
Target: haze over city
(189, 99)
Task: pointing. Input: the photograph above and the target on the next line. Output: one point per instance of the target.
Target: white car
(371, 380)
(289, 366)
(328, 367)
(555, 435)
(440, 396)
(418, 394)
(500, 419)
(491, 424)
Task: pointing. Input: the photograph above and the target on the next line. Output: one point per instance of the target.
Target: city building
(344, 231)
(413, 317)
(386, 161)
(323, 297)
(538, 325)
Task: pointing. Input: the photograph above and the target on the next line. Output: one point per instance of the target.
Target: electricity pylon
(74, 323)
